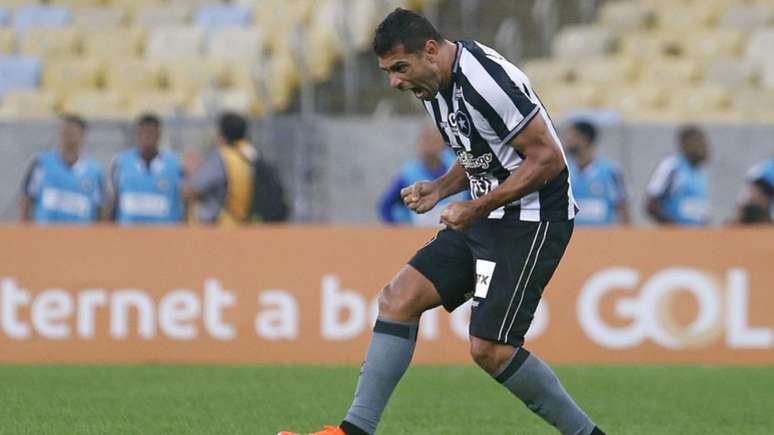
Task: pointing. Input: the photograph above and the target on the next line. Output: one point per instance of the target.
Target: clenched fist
(461, 214)
(420, 196)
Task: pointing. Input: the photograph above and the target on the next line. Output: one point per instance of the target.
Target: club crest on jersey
(470, 162)
(459, 123)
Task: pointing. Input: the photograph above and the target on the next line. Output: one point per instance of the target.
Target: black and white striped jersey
(489, 102)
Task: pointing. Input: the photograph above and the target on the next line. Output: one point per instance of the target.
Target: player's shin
(535, 384)
(388, 357)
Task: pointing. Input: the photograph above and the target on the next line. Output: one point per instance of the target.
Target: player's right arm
(424, 195)
(28, 190)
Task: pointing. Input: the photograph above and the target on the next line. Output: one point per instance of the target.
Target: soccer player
(500, 248)
(678, 192)
(435, 158)
(597, 183)
(63, 185)
(757, 205)
(147, 181)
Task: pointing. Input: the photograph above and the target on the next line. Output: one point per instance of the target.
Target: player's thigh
(446, 262)
(514, 263)
(407, 296)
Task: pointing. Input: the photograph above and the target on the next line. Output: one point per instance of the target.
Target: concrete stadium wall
(337, 167)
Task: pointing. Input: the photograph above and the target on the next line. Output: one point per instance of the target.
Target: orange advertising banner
(306, 294)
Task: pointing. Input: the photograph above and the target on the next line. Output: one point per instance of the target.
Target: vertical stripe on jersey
(436, 112)
(500, 76)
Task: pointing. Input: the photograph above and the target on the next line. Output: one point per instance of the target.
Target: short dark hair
(586, 129)
(404, 27)
(233, 127)
(688, 131)
(148, 118)
(72, 118)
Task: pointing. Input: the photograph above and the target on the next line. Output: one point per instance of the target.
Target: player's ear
(431, 48)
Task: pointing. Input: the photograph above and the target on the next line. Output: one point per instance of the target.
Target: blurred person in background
(757, 202)
(435, 158)
(235, 184)
(63, 185)
(597, 183)
(222, 186)
(678, 191)
(146, 181)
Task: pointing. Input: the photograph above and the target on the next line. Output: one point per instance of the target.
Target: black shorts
(504, 264)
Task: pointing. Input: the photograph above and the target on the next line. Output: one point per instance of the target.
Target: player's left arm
(542, 163)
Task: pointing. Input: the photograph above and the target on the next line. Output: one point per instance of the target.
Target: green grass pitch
(259, 400)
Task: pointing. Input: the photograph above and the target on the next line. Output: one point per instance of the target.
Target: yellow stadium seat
(73, 74)
(363, 19)
(212, 102)
(49, 42)
(547, 72)
(281, 81)
(710, 44)
(646, 44)
(755, 104)
(694, 100)
(132, 7)
(189, 76)
(667, 71)
(759, 45)
(164, 104)
(244, 74)
(687, 14)
(77, 3)
(236, 43)
(7, 40)
(747, 17)
(132, 75)
(767, 74)
(630, 100)
(174, 42)
(113, 43)
(579, 42)
(162, 15)
(99, 17)
(28, 104)
(321, 53)
(624, 17)
(96, 105)
(562, 100)
(606, 70)
(730, 71)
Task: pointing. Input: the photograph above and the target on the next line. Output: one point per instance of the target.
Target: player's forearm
(25, 209)
(656, 212)
(531, 176)
(455, 180)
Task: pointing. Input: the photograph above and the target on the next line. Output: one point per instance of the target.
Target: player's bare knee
(489, 355)
(397, 303)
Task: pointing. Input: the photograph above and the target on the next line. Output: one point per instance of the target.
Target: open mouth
(417, 92)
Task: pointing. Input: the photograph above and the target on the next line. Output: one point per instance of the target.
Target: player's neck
(69, 156)
(447, 55)
(585, 160)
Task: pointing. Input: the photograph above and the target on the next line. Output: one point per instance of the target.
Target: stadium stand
(182, 49)
(659, 60)
(19, 72)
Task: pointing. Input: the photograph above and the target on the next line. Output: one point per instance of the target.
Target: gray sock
(388, 357)
(532, 381)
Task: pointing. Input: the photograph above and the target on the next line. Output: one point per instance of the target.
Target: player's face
(415, 72)
(70, 135)
(695, 148)
(148, 138)
(575, 142)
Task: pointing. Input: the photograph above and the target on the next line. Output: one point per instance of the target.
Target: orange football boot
(327, 430)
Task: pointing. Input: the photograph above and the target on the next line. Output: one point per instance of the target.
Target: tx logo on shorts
(484, 272)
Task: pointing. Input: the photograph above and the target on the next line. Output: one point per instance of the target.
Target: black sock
(351, 429)
(597, 431)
